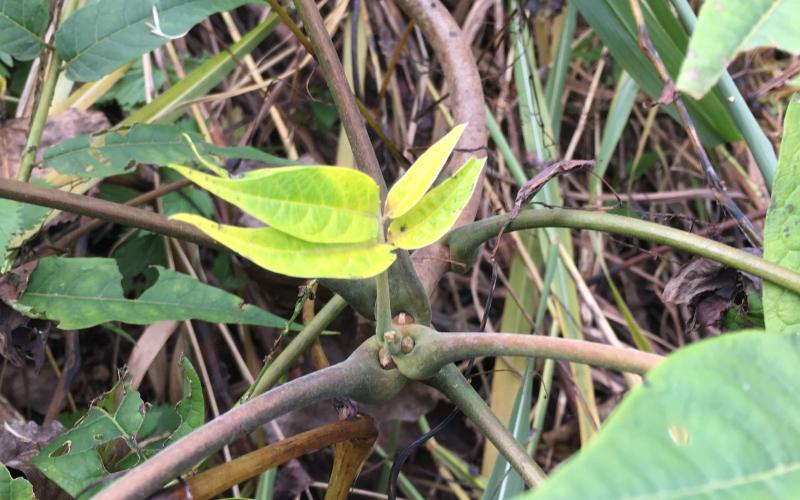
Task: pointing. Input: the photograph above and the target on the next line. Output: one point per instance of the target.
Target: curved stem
(433, 350)
(450, 382)
(359, 377)
(465, 240)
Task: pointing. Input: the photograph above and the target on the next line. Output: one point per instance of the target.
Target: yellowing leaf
(314, 203)
(410, 188)
(438, 210)
(285, 254)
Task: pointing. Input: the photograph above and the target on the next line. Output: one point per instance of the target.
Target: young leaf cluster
(326, 221)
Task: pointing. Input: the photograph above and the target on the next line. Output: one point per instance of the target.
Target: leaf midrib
(22, 27)
(727, 484)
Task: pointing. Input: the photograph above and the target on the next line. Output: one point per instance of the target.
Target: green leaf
(411, 187)
(782, 229)
(14, 488)
(103, 36)
(718, 419)
(72, 460)
(285, 254)
(115, 153)
(10, 221)
(314, 203)
(86, 453)
(22, 26)
(438, 210)
(613, 22)
(191, 408)
(84, 292)
(727, 27)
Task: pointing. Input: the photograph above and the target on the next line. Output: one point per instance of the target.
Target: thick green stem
(39, 119)
(464, 241)
(383, 307)
(272, 372)
(432, 350)
(450, 382)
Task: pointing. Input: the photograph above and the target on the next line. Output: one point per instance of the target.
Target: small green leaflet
(84, 292)
(318, 204)
(435, 214)
(115, 153)
(76, 459)
(411, 187)
(727, 27)
(717, 419)
(22, 26)
(285, 254)
(10, 220)
(782, 229)
(14, 488)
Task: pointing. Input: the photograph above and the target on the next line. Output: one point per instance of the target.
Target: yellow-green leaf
(438, 210)
(285, 254)
(314, 203)
(410, 188)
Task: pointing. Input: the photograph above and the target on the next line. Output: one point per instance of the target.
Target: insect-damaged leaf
(285, 254)
(411, 187)
(438, 210)
(314, 203)
(79, 458)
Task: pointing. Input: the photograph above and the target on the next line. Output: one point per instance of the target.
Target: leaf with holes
(22, 26)
(435, 214)
(285, 254)
(413, 185)
(718, 419)
(115, 436)
(318, 204)
(14, 488)
(87, 291)
(727, 27)
(782, 229)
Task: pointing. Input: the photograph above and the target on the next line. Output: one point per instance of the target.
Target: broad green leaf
(22, 26)
(413, 185)
(727, 27)
(14, 488)
(81, 456)
(782, 229)
(718, 419)
(613, 22)
(438, 210)
(84, 292)
(115, 153)
(103, 36)
(314, 203)
(285, 254)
